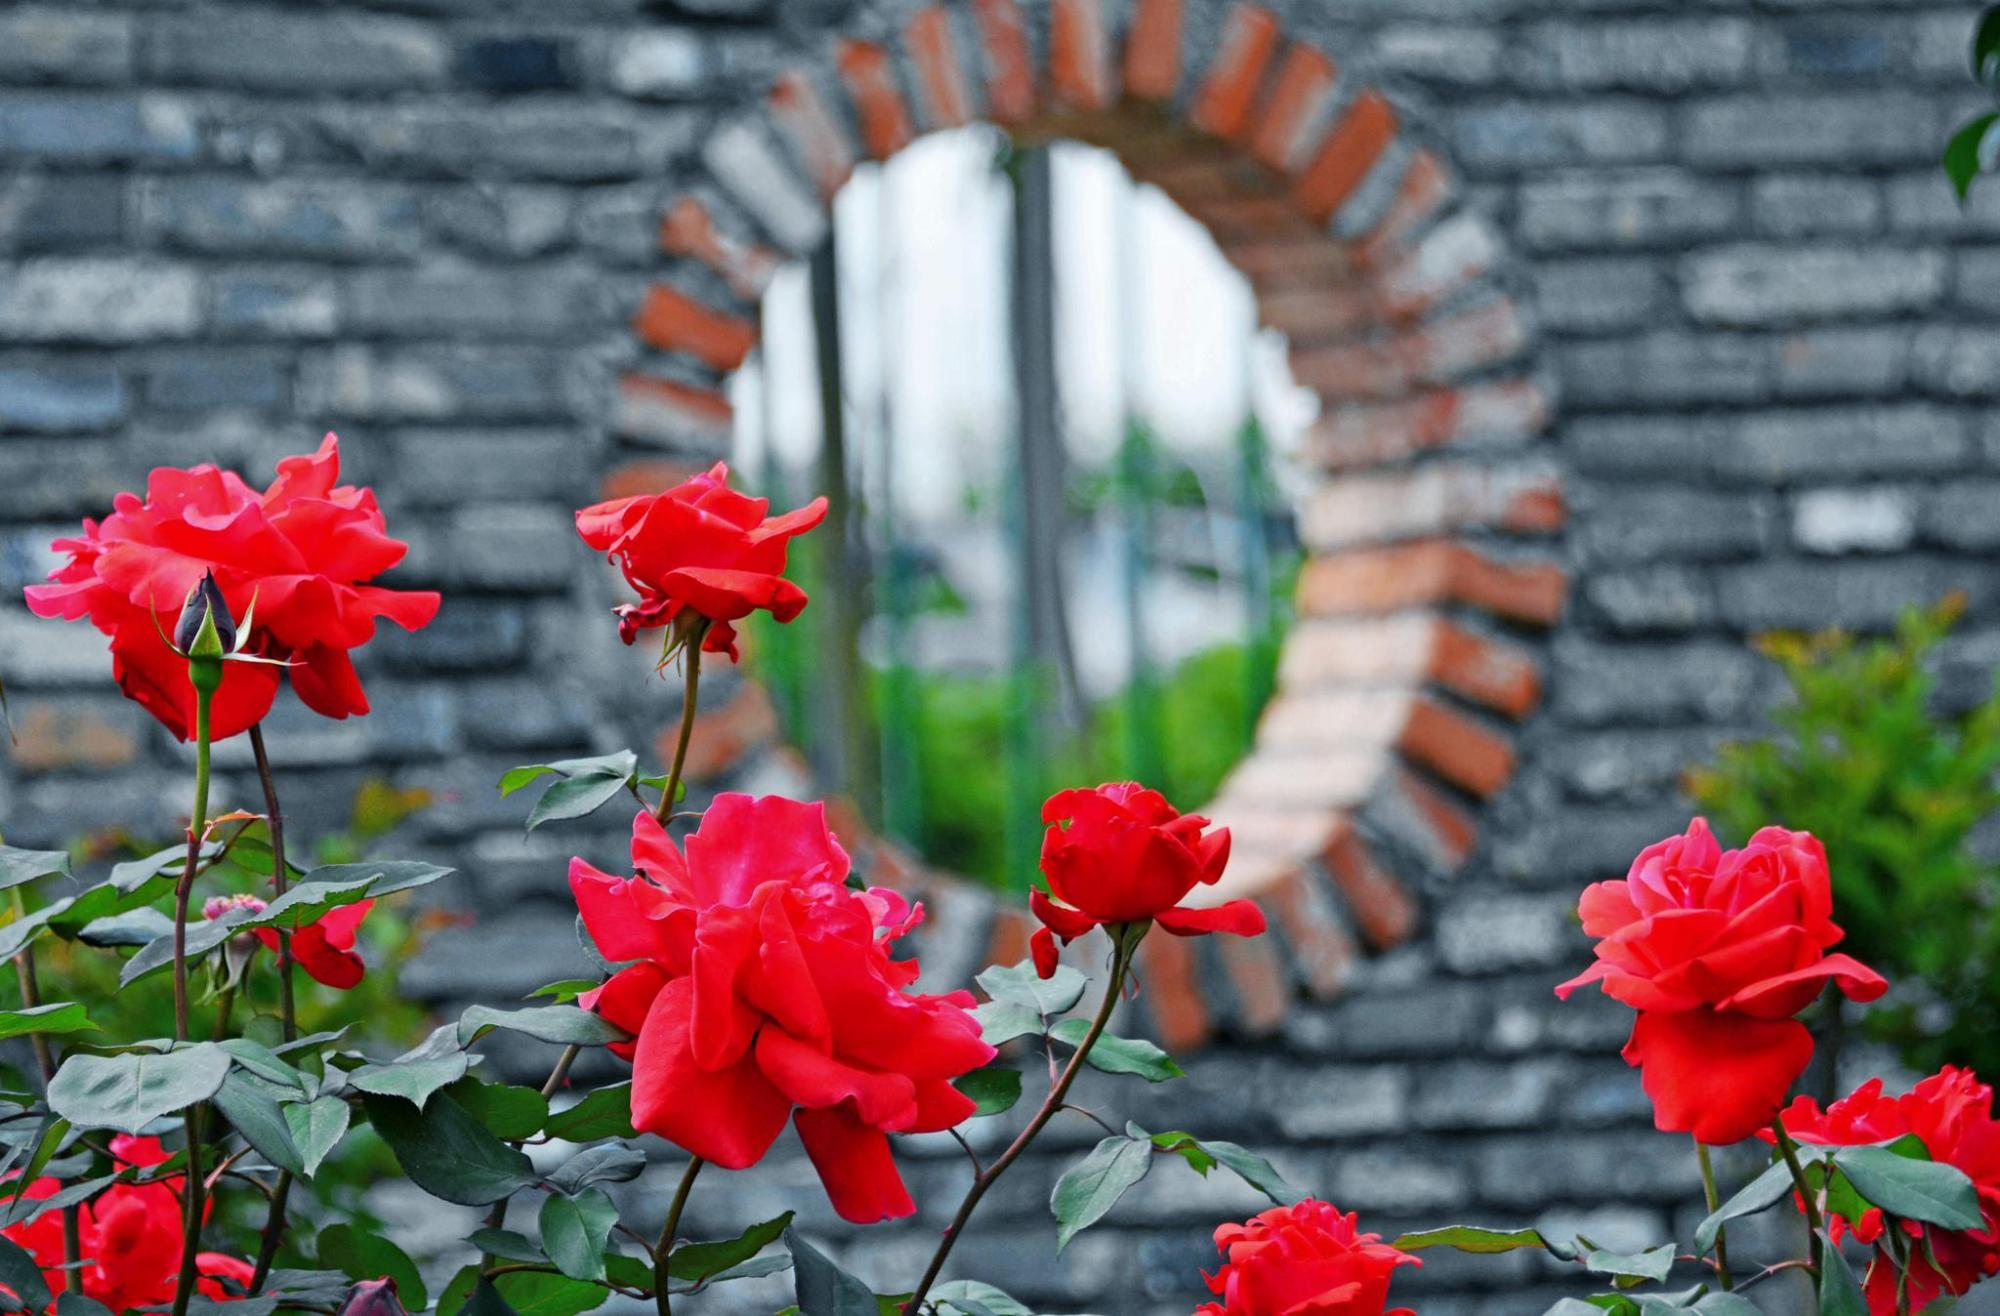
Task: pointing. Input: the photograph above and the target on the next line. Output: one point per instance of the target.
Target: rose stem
(274, 1220)
(1121, 961)
(1714, 1200)
(205, 674)
(31, 997)
(691, 659)
(663, 1252)
(1791, 1155)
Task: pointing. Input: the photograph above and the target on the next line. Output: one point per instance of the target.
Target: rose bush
(750, 980)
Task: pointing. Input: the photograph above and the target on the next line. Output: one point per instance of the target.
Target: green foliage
(1894, 790)
(1975, 148)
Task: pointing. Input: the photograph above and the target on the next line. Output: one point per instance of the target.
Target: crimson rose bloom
(1126, 856)
(324, 949)
(131, 1239)
(1303, 1260)
(764, 990)
(703, 547)
(301, 549)
(1717, 950)
(1952, 1113)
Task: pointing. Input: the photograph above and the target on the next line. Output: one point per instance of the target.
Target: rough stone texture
(1770, 336)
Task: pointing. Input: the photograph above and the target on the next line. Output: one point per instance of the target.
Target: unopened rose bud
(373, 1297)
(205, 630)
(216, 906)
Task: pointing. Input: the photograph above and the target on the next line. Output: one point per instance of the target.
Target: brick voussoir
(1229, 86)
(1009, 65)
(673, 321)
(1080, 66)
(1457, 747)
(869, 74)
(1428, 573)
(943, 95)
(1153, 51)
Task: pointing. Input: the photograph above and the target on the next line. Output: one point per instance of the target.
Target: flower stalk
(275, 1219)
(45, 1062)
(691, 660)
(1815, 1223)
(663, 1252)
(1714, 1200)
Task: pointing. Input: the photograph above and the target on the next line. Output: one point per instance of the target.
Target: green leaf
(18, 866)
(567, 990)
(1475, 1238)
(604, 1113)
(446, 1152)
(263, 1062)
(1760, 1194)
(1986, 48)
(1970, 152)
(1631, 1267)
(701, 1262)
(134, 927)
(202, 937)
(1001, 1022)
(508, 1112)
(1726, 1304)
(993, 1090)
(371, 1255)
(316, 1127)
(412, 1080)
(1929, 1191)
(1839, 1293)
(575, 1229)
(563, 1024)
(576, 797)
(1253, 1170)
(972, 1297)
(1119, 1055)
(611, 1162)
(1091, 1187)
(48, 1139)
(620, 764)
(823, 1288)
(62, 1017)
(256, 1115)
(538, 1293)
(1019, 984)
(20, 1272)
(385, 876)
(24, 931)
(135, 873)
(309, 902)
(506, 1244)
(129, 1091)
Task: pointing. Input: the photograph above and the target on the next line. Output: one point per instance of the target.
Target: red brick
(1322, 950)
(1222, 107)
(1240, 216)
(723, 737)
(1257, 974)
(1271, 264)
(822, 144)
(1153, 51)
(1432, 500)
(1501, 676)
(688, 229)
(1010, 71)
(49, 735)
(1432, 353)
(1449, 829)
(666, 409)
(1423, 188)
(878, 103)
(1450, 257)
(1170, 985)
(1426, 574)
(1079, 67)
(672, 321)
(1009, 942)
(1304, 81)
(1345, 157)
(1457, 748)
(1314, 313)
(1382, 909)
(1353, 435)
(630, 479)
(941, 89)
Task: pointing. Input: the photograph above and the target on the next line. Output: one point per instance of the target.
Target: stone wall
(1642, 326)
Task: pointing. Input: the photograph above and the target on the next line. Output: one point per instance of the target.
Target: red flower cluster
(1717, 950)
(763, 990)
(300, 549)
(131, 1239)
(1951, 1112)
(703, 547)
(1303, 1260)
(1127, 856)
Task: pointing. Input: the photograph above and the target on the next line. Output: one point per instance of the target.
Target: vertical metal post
(1252, 503)
(1142, 758)
(902, 708)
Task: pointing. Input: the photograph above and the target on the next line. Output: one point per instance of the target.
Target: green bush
(1894, 789)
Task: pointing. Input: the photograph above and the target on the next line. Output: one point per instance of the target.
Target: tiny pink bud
(373, 1297)
(216, 906)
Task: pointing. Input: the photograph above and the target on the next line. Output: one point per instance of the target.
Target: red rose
(1717, 950)
(300, 550)
(1127, 857)
(1952, 1113)
(1303, 1260)
(763, 990)
(131, 1237)
(700, 546)
(325, 949)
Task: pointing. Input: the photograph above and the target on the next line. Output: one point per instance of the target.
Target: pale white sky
(936, 310)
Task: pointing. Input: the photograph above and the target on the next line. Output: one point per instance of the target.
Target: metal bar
(1142, 758)
(901, 711)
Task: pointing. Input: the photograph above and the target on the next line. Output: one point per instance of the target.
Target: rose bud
(205, 604)
(373, 1297)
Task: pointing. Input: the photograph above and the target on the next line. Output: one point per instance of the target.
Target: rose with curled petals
(1717, 950)
(1119, 855)
(700, 548)
(760, 989)
(1303, 1260)
(293, 560)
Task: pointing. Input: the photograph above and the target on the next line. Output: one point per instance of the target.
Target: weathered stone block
(1752, 285)
(98, 299)
(292, 51)
(59, 396)
(96, 128)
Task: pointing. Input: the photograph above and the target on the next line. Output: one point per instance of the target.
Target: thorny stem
(497, 1217)
(274, 819)
(691, 660)
(1814, 1222)
(1052, 1103)
(45, 1061)
(197, 824)
(1714, 1200)
(663, 1253)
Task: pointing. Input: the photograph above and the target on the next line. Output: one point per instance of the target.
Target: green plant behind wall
(1863, 760)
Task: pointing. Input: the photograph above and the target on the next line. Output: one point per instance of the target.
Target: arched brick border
(1431, 541)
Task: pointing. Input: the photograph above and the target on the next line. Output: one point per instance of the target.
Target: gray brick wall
(228, 227)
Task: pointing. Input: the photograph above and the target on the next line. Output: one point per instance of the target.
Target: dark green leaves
(974, 1298)
(700, 1263)
(446, 1152)
(1023, 1001)
(1091, 1187)
(605, 1113)
(63, 1017)
(1986, 48)
(1839, 1293)
(1473, 1238)
(508, 1112)
(316, 1127)
(1119, 1055)
(129, 1091)
(1928, 1191)
(385, 876)
(249, 1107)
(1205, 1154)
(822, 1287)
(992, 1090)
(1760, 1194)
(20, 1272)
(548, 1023)
(1628, 1269)
(611, 1162)
(575, 1230)
(18, 866)
(585, 785)
(361, 1255)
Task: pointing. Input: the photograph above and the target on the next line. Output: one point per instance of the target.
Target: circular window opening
(1055, 440)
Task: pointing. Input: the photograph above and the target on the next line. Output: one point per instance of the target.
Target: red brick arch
(1432, 534)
